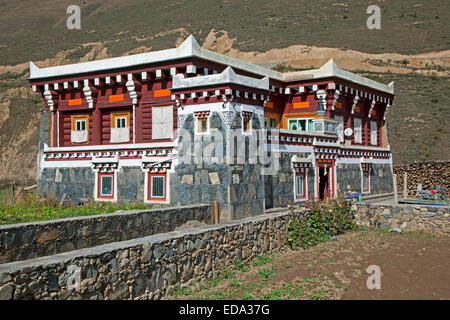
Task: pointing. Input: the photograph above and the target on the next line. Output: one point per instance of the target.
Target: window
(80, 125)
(79, 129)
(105, 186)
(246, 122)
(246, 125)
(121, 122)
(340, 127)
(120, 131)
(273, 123)
(358, 130)
(202, 125)
(162, 122)
(303, 124)
(366, 181)
(156, 186)
(266, 122)
(373, 133)
(300, 186)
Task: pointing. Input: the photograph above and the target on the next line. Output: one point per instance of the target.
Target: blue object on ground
(353, 195)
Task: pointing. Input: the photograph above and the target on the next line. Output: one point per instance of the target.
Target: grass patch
(241, 266)
(264, 259)
(266, 274)
(34, 209)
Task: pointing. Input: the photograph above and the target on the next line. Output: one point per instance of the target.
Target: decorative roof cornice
(191, 48)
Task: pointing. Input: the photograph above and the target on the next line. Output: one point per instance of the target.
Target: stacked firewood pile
(430, 174)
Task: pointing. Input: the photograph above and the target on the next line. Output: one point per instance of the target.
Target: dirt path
(413, 266)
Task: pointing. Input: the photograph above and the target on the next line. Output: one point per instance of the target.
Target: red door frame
(320, 163)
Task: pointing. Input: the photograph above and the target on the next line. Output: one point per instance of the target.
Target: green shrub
(319, 223)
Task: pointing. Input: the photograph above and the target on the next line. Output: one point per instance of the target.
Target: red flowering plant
(318, 221)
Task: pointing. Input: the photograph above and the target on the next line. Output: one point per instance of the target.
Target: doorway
(324, 182)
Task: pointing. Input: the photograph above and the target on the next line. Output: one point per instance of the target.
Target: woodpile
(430, 174)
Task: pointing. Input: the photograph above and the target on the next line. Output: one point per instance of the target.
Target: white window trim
(305, 192)
(373, 133)
(362, 182)
(80, 121)
(120, 118)
(359, 136)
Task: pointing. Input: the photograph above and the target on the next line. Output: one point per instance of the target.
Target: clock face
(348, 132)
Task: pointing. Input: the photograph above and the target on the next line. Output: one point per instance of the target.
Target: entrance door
(324, 182)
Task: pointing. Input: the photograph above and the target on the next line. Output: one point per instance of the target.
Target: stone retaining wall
(144, 268)
(31, 240)
(150, 267)
(411, 218)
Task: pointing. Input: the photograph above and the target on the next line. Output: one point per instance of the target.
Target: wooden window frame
(120, 114)
(200, 122)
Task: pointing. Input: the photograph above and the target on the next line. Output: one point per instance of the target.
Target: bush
(320, 222)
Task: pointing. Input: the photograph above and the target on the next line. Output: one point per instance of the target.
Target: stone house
(188, 125)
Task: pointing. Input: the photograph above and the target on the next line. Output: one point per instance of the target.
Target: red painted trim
(99, 185)
(149, 186)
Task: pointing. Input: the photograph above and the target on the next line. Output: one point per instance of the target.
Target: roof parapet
(226, 76)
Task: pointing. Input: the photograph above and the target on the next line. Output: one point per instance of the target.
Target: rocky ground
(413, 266)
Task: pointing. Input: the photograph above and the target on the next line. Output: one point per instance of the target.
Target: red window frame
(149, 186)
(99, 185)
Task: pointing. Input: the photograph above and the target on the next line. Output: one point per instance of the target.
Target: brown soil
(413, 266)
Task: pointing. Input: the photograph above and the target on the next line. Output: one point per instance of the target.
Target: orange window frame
(286, 117)
(200, 121)
(120, 114)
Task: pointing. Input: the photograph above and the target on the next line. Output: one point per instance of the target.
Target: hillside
(411, 48)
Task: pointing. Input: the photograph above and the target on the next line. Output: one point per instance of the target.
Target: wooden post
(395, 191)
(405, 185)
(12, 193)
(214, 212)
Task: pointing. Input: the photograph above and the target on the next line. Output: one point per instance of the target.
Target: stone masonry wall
(350, 174)
(30, 240)
(411, 218)
(150, 267)
(237, 185)
(144, 268)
